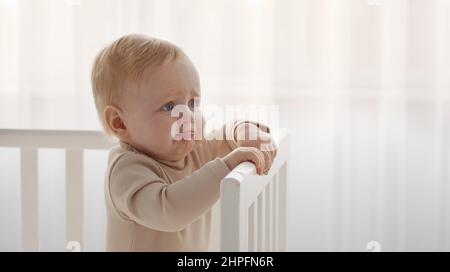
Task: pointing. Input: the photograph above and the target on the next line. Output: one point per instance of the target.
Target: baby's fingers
(270, 147)
(257, 157)
(267, 161)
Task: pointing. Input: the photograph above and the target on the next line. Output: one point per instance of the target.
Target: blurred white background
(363, 86)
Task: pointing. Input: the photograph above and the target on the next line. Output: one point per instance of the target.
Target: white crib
(252, 208)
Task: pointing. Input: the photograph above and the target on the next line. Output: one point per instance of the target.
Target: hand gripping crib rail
(252, 208)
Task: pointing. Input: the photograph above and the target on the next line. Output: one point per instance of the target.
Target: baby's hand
(242, 154)
(249, 135)
(261, 146)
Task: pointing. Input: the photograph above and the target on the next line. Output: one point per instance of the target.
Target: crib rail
(61, 139)
(253, 208)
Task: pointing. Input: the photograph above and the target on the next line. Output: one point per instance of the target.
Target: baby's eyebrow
(173, 94)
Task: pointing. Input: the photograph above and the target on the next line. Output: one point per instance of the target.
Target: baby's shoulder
(121, 160)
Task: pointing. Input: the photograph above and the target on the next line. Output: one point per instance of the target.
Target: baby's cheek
(170, 130)
(199, 125)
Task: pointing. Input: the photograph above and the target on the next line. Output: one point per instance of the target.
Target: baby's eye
(194, 103)
(168, 107)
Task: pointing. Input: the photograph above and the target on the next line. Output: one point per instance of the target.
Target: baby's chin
(182, 148)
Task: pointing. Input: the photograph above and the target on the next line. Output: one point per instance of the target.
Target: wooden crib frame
(252, 208)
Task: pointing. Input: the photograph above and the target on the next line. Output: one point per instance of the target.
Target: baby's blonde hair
(125, 60)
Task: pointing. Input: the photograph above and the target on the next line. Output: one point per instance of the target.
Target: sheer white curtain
(363, 85)
(47, 48)
(365, 89)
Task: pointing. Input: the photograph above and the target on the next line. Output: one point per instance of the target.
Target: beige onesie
(155, 205)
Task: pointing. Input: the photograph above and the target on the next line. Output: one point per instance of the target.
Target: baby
(164, 176)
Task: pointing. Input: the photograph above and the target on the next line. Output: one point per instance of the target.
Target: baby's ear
(112, 116)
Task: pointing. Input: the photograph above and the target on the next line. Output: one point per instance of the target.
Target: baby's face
(147, 110)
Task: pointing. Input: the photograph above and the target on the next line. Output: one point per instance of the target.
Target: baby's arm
(220, 141)
(143, 197)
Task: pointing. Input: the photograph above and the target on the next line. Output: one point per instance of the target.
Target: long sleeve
(138, 194)
(221, 141)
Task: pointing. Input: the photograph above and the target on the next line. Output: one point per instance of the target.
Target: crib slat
(74, 196)
(276, 218)
(234, 237)
(272, 214)
(261, 221)
(282, 205)
(267, 237)
(30, 199)
(252, 232)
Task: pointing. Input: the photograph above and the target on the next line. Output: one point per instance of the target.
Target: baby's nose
(193, 122)
(185, 116)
